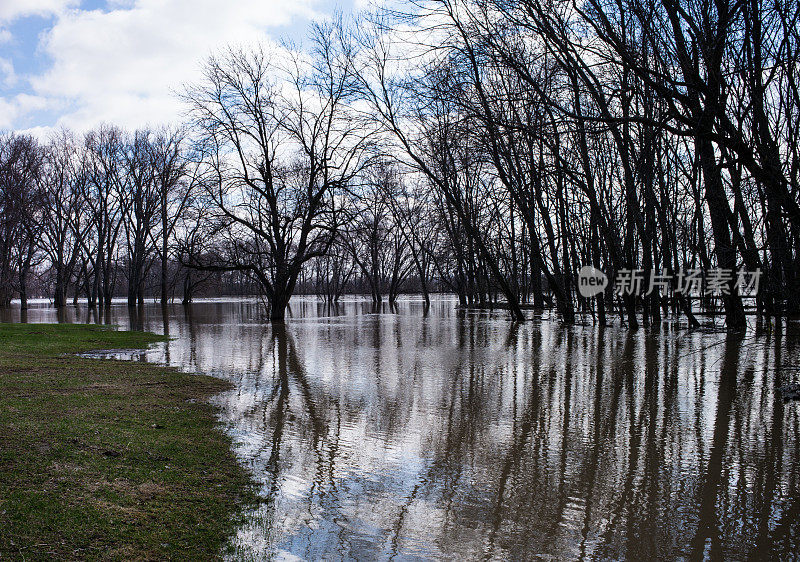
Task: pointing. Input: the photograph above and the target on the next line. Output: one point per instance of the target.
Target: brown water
(450, 434)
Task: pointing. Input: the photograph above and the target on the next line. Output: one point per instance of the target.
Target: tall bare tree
(280, 145)
(19, 169)
(65, 222)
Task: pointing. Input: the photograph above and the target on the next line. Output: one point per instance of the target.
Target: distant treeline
(489, 148)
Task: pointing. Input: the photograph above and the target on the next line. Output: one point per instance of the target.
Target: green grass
(104, 459)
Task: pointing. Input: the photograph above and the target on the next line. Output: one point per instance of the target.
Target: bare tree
(176, 178)
(141, 200)
(106, 179)
(280, 145)
(64, 223)
(19, 169)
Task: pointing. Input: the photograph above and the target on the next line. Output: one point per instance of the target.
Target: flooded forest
(490, 279)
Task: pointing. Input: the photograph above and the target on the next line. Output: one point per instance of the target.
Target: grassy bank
(108, 459)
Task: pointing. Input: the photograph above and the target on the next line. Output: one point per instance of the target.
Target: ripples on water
(453, 434)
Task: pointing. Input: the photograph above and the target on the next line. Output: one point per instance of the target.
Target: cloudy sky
(77, 63)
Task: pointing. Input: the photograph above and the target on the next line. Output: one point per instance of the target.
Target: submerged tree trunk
(718, 211)
(278, 305)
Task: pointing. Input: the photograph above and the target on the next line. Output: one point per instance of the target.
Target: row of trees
(628, 133)
(82, 210)
(482, 146)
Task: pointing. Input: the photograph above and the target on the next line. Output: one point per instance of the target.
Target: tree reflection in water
(444, 433)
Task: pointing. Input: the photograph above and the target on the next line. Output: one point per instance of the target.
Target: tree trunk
(23, 288)
(164, 270)
(59, 294)
(187, 288)
(278, 304)
(719, 210)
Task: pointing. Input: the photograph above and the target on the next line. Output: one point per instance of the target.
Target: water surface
(409, 433)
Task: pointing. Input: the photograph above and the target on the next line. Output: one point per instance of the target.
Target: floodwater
(412, 434)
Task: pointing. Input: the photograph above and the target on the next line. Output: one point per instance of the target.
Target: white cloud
(12, 108)
(5, 36)
(11, 9)
(7, 75)
(124, 65)
(40, 133)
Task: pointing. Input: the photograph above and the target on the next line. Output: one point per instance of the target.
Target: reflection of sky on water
(446, 433)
